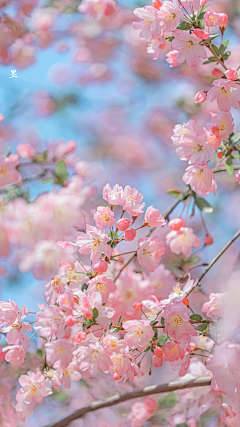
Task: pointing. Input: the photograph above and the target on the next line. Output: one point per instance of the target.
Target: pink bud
(223, 21)
(137, 306)
(203, 3)
(185, 301)
(101, 266)
(123, 224)
(26, 151)
(176, 224)
(217, 73)
(157, 361)
(201, 34)
(231, 74)
(70, 321)
(89, 315)
(200, 97)
(81, 336)
(158, 352)
(130, 234)
(116, 376)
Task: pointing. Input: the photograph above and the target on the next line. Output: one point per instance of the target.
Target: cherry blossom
(153, 217)
(188, 48)
(149, 252)
(182, 241)
(94, 241)
(216, 305)
(139, 333)
(201, 179)
(226, 92)
(177, 321)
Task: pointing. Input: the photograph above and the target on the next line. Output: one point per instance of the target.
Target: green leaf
(154, 318)
(236, 156)
(84, 287)
(213, 36)
(47, 180)
(193, 260)
(185, 26)
(95, 312)
(196, 317)
(229, 166)
(44, 338)
(113, 235)
(226, 55)
(120, 321)
(171, 39)
(174, 193)
(200, 12)
(169, 401)
(181, 425)
(202, 327)
(39, 353)
(223, 47)
(61, 172)
(163, 321)
(235, 138)
(215, 48)
(162, 339)
(45, 156)
(203, 205)
(210, 60)
(202, 24)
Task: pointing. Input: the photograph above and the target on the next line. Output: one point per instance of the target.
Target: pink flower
(171, 58)
(195, 149)
(132, 201)
(104, 216)
(201, 34)
(200, 97)
(227, 94)
(94, 241)
(150, 250)
(53, 289)
(188, 47)
(139, 333)
(59, 352)
(180, 131)
(226, 412)
(176, 224)
(26, 151)
(142, 411)
(102, 284)
(182, 241)
(15, 354)
(8, 171)
(211, 18)
(177, 321)
(50, 321)
(67, 374)
(91, 356)
(34, 388)
(215, 307)
(101, 266)
(170, 13)
(123, 224)
(113, 196)
(150, 23)
(222, 125)
(156, 45)
(173, 350)
(16, 332)
(8, 312)
(66, 302)
(201, 179)
(237, 176)
(178, 294)
(124, 365)
(130, 234)
(231, 74)
(153, 217)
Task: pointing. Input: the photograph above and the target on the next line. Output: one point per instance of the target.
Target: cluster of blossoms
(98, 317)
(185, 25)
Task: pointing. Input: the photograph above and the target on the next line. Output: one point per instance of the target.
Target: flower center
(60, 350)
(177, 320)
(222, 125)
(199, 175)
(101, 287)
(94, 245)
(4, 171)
(33, 389)
(225, 92)
(146, 23)
(170, 16)
(189, 44)
(177, 289)
(104, 217)
(95, 356)
(139, 331)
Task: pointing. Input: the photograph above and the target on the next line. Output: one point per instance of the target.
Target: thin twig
(114, 400)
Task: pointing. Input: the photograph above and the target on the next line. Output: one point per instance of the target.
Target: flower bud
(208, 239)
(201, 34)
(70, 321)
(101, 266)
(176, 223)
(137, 306)
(200, 97)
(130, 234)
(157, 361)
(81, 336)
(185, 301)
(231, 74)
(26, 151)
(220, 155)
(223, 21)
(203, 3)
(89, 315)
(157, 4)
(123, 224)
(75, 299)
(158, 352)
(116, 376)
(217, 73)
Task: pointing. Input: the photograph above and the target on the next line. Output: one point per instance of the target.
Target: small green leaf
(229, 166)
(202, 327)
(213, 36)
(193, 260)
(154, 318)
(95, 312)
(196, 317)
(202, 24)
(235, 138)
(113, 235)
(215, 48)
(184, 26)
(163, 322)
(169, 401)
(120, 321)
(44, 338)
(236, 156)
(61, 172)
(171, 39)
(45, 156)
(210, 60)
(226, 55)
(200, 13)
(39, 353)
(174, 193)
(84, 287)
(162, 339)
(223, 47)
(47, 180)
(203, 205)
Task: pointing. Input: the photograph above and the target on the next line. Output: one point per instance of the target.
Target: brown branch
(114, 400)
(166, 215)
(223, 169)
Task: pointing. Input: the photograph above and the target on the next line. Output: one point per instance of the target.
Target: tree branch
(223, 169)
(114, 400)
